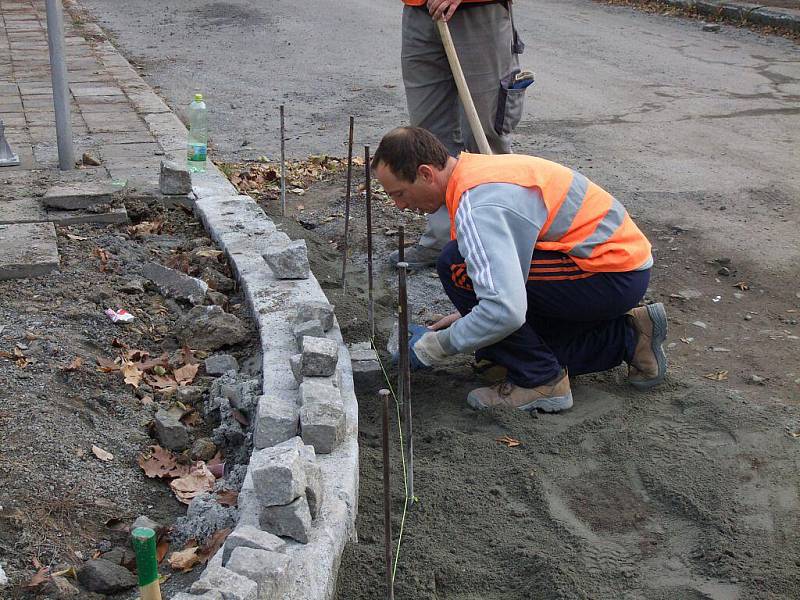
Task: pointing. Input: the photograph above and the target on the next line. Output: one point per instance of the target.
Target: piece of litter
(102, 454)
(716, 298)
(712, 27)
(717, 376)
(687, 340)
(700, 324)
(508, 441)
(119, 316)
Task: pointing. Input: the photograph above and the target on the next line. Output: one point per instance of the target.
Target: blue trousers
(575, 319)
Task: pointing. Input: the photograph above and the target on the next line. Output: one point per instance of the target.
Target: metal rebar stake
(404, 378)
(58, 76)
(347, 204)
(383, 395)
(283, 164)
(368, 186)
(401, 244)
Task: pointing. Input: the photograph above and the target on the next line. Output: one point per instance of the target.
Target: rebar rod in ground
(404, 377)
(401, 244)
(283, 164)
(368, 187)
(387, 496)
(347, 204)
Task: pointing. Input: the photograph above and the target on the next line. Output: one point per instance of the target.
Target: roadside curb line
(742, 11)
(241, 228)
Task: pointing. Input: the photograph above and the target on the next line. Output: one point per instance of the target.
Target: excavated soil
(689, 491)
(59, 504)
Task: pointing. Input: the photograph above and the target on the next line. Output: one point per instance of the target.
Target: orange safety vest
(583, 220)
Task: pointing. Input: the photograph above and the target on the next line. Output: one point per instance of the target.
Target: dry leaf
(213, 544)
(41, 576)
(199, 481)
(132, 374)
(741, 285)
(191, 419)
(146, 228)
(186, 374)
(184, 560)
(228, 497)
(160, 462)
(76, 364)
(102, 454)
(106, 365)
(161, 383)
(509, 441)
(117, 525)
(209, 253)
(161, 550)
(717, 376)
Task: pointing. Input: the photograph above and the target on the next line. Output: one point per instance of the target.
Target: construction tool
(347, 204)
(463, 89)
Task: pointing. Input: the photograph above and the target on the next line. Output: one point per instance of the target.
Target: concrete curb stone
(242, 229)
(784, 19)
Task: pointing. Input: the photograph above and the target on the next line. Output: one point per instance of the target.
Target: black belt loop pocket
(517, 45)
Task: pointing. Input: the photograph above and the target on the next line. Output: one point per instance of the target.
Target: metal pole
(404, 377)
(283, 164)
(401, 244)
(58, 74)
(347, 204)
(387, 497)
(368, 184)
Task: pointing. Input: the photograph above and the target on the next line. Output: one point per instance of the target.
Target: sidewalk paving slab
(27, 250)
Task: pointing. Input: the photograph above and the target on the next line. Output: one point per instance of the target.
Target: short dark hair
(404, 149)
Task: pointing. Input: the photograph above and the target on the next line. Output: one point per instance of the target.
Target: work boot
(550, 397)
(416, 256)
(648, 367)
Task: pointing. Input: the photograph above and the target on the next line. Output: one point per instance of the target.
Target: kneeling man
(545, 268)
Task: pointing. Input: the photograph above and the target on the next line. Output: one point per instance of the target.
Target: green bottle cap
(198, 97)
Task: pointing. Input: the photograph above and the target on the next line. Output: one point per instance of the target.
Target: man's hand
(445, 322)
(442, 9)
(424, 349)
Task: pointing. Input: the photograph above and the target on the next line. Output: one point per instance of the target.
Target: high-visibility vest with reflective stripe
(583, 220)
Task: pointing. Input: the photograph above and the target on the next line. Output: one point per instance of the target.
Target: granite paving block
(26, 210)
(75, 196)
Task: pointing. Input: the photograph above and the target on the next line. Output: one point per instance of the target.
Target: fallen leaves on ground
(40, 577)
(103, 256)
(509, 441)
(131, 374)
(146, 228)
(76, 364)
(103, 455)
(199, 481)
(184, 560)
(213, 544)
(741, 285)
(228, 497)
(161, 549)
(160, 462)
(717, 376)
(186, 374)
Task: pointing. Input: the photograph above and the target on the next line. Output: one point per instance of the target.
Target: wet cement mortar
(59, 504)
(689, 491)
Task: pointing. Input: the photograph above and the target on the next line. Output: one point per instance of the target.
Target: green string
(402, 459)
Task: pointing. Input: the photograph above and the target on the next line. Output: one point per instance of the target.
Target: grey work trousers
(483, 37)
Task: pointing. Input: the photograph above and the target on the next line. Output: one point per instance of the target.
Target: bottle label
(197, 152)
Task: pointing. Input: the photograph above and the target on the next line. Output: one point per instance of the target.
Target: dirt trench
(689, 491)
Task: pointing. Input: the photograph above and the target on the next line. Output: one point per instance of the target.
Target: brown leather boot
(550, 397)
(648, 367)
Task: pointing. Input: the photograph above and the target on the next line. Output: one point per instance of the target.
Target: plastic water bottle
(197, 149)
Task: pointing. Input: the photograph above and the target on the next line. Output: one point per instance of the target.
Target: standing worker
(545, 268)
(488, 49)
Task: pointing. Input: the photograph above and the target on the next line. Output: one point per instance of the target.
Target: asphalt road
(686, 127)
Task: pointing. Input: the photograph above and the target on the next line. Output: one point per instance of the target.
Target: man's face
(421, 195)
